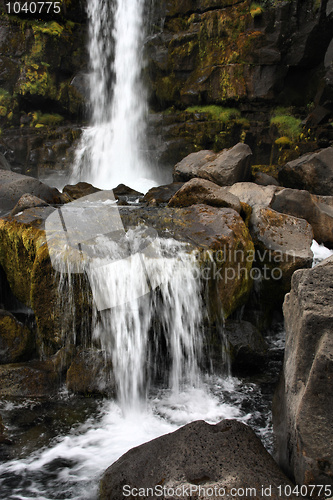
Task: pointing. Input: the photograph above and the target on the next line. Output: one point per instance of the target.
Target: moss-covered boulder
(198, 191)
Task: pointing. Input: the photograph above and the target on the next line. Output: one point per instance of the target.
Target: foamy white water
(320, 252)
(72, 466)
(112, 149)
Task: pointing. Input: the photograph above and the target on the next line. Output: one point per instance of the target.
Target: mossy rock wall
(223, 53)
(25, 259)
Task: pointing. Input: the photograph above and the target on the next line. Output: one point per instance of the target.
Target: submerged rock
(303, 404)
(198, 191)
(198, 461)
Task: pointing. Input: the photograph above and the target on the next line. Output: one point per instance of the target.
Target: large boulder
(302, 204)
(16, 340)
(221, 240)
(224, 168)
(303, 404)
(313, 172)
(28, 201)
(13, 186)
(283, 244)
(198, 191)
(200, 461)
(80, 189)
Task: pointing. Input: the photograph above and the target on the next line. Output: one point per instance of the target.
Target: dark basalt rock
(162, 194)
(312, 172)
(224, 168)
(226, 455)
(303, 404)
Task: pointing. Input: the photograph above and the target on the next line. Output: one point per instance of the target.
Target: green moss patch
(288, 126)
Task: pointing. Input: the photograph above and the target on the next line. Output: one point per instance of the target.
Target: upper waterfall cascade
(112, 149)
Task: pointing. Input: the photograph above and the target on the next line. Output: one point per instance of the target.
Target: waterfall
(146, 295)
(111, 150)
(146, 331)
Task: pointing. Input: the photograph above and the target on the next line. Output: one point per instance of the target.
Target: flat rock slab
(194, 462)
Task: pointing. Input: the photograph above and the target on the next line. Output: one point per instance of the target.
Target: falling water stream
(112, 149)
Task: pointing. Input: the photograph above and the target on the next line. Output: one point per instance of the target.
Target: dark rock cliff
(218, 72)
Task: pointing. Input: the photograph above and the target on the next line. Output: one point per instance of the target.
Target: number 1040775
(33, 7)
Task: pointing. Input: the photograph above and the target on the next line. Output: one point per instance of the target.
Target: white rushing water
(112, 149)
(320, 252)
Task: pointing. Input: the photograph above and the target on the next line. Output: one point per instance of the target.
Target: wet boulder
(28, 201)
(221, 241)
(198, 460)
(224, 168)
(312, 172)
(33, 379)
(246, 346)
(303, 404)
(24, 257)
(76, 191)
(162, 194)
(16, 340)
(198, 191)
(90, 373)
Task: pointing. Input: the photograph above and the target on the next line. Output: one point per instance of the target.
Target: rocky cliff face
(42, 88)
(219, 72)
(250, 57)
